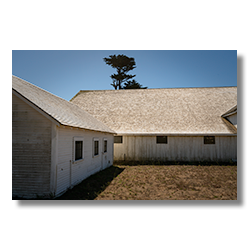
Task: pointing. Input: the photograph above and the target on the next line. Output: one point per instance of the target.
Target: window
(209, 140)
(105, 145)
(96, 146)
(118, 139)
(78, 148)
(96, 150)
(161, 139)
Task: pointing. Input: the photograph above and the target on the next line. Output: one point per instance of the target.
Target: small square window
(209, 140)
(161, 139)
(118, 139)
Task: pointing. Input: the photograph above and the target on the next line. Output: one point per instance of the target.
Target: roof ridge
(196, 110)
(123, 90)
(159, 88)
(97, 90)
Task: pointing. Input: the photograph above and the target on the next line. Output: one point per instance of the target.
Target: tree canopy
(123, 65)
(133, 85)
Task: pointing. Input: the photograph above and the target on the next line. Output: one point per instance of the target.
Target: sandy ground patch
(175, 182)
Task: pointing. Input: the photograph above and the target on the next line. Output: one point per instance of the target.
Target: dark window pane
(78, 150)
(105, 146)
(161, 139)
(96, 147)
(118, 139)
(209, 140)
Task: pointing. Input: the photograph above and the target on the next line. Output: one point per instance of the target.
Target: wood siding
(31, 151)
(178, 148)
(70, 173)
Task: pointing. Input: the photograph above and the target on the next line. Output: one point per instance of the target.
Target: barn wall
(70, 173)
(178, 148)
(31, 151)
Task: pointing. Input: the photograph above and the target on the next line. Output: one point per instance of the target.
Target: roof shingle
(66, 113)
(157, 111)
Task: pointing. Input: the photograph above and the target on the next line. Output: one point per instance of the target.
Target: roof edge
(34, 106)
(231, 111)
(177, 134)
(95, 130)
(75, 96)
(51, 117)
(39, 88)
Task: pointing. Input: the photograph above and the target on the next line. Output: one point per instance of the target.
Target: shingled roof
(231, 111)
(162, 111)
(62, 111)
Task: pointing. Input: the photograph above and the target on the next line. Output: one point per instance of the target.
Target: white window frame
(96, 139)
(105, 139)
(78, 138)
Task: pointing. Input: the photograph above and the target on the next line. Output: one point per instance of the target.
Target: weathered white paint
(70, 172)
(31, 150)
(43, 154)
(178, 148)
(54, 158)
(34, 107)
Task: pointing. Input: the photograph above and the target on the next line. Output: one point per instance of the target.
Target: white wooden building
(55, 144)
(179, 124)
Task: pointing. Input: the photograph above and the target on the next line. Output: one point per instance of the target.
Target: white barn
(55, 144)
(180, 124)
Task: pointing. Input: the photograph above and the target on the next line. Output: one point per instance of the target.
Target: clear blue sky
(64, 73)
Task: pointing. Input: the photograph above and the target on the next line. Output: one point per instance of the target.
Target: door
(63, 177)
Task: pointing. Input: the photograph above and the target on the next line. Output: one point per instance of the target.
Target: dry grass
(163, 182)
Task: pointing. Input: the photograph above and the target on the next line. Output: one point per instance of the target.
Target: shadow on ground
(91, 187)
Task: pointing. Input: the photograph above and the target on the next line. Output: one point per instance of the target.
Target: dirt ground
(173, 182)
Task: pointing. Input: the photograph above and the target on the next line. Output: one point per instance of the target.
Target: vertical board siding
(70, 173)
(178, 148)
(31, 151)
